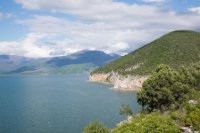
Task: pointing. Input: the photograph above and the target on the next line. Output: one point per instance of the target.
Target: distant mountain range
(175, 49)
(83, 61)
(97, 58)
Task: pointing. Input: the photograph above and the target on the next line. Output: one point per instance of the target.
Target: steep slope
(175, 49)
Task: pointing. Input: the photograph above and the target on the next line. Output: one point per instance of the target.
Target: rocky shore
(121, 83)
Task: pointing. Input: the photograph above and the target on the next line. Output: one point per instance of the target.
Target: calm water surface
(57, 104)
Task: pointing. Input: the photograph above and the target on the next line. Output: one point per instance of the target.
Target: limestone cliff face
(99, 77)
(123, 83)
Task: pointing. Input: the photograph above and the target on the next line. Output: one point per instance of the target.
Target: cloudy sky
(44, 28)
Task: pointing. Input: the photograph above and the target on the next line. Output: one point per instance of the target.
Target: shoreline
(119, 82)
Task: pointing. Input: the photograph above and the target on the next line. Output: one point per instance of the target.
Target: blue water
(58, 104)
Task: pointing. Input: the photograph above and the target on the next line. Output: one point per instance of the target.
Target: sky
(48, 28)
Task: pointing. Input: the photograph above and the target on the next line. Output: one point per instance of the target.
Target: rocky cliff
(122, 83)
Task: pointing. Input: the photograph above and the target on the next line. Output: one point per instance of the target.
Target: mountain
(83, 61)
(11, 62)
(175, 49)
(97, 58)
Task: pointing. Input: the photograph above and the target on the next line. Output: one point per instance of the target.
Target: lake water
(58, 104)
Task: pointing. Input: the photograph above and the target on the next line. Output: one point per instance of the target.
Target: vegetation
(174, 49)
(151, 123)
(193, 119)
(95, 127)
(165, 89)
(170, 99)
(192, 116)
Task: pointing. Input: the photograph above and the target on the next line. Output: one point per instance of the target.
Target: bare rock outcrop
(120, 82)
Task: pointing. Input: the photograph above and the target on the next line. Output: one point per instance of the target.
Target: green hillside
(175, 49)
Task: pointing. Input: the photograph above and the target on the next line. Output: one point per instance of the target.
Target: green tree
(186, 76)
(195, 72)
(95, 127)
(163, 90)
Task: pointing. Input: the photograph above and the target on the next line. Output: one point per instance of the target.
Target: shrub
(151, 123)
(95, 127)
(193, 119)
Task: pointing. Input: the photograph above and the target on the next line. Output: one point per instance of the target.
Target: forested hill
(175, 49)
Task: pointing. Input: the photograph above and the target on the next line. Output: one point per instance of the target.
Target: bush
(95, 127)
(193, 119)
(151, 123)
(195, 71)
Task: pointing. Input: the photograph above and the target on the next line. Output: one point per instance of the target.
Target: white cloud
(34, 45)
(101, 10)
(153, 1)
(195, 10)
(78, 35)
(102, 24)
(117, 47)
(26, 47)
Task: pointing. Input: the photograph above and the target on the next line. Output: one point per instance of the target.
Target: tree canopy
(165, 89)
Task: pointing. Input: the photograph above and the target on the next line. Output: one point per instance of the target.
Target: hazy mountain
(11, 62)
(82, 61)
(97, 58)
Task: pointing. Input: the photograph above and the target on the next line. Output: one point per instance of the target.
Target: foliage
(126, 110)
(151, 123)
(164, 90)
(95, 127)
(193, 119)
(178, 116)
(195, 72)
(168, 91)
(174, 49)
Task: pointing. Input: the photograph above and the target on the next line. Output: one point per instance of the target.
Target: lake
(58, 104)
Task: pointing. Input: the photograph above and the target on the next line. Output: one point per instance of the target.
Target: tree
(163, 90)
(195, 72)
(95, 127)
(186, 75)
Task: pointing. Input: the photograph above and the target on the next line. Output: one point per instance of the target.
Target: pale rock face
(121, 83)
(99, 77)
